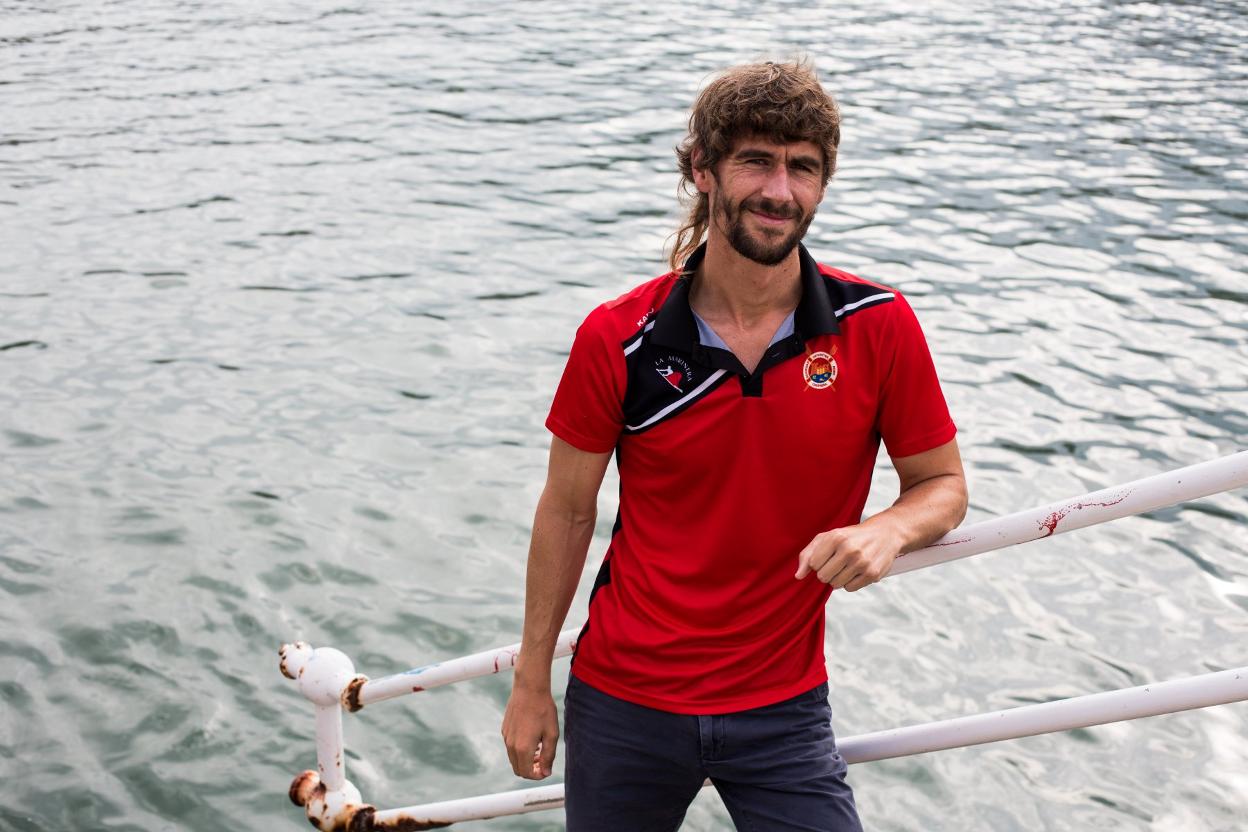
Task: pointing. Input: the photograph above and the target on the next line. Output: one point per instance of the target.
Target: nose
(777, 186)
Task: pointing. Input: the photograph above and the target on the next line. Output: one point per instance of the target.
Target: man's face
(764, 195)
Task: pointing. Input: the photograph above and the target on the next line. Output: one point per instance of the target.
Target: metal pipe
(1028, 720)
(455, 670)
(1201, 691)
(1137, 497)
(430, 815)
(329, 746)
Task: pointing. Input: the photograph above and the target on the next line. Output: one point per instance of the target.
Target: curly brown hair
(783, 102)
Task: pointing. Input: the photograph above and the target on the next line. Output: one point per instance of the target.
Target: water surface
(285, 292)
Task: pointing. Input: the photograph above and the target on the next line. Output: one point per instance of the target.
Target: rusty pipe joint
(294, 658)
(342, 810)
(325, 676)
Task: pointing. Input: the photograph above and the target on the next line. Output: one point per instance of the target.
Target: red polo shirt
(725, 476)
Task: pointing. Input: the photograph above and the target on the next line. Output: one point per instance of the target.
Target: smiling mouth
(771, 219)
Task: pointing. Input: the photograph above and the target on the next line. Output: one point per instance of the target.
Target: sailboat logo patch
(820, 369)
(675, 372)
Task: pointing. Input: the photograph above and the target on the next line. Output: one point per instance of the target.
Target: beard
(767, 248)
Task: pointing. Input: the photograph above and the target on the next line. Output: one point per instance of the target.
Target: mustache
(787, 210)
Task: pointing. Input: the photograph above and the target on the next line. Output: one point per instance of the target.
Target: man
(744, 395)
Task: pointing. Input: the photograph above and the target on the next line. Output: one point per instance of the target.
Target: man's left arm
(932, 502)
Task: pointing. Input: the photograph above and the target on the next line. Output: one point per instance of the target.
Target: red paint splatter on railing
(511, 659)
(1049, 524)
(951, 542)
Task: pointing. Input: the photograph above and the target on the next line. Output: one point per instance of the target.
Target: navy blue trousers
(635, 769)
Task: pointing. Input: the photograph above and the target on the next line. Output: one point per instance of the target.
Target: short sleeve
(913, 416)
(588, 411)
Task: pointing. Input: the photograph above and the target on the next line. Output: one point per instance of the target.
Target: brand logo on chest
(675, 371)
(820, 369)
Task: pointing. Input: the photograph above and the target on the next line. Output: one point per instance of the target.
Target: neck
(728, 286)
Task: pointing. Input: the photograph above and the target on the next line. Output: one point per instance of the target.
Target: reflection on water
(284, 293)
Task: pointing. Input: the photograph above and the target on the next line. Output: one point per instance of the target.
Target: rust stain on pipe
(352, 819)
(284, 652)
(361, 820)
(304, 787)
(351, 695)
(410, 825)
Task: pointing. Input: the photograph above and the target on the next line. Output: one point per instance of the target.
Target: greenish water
(285, 292)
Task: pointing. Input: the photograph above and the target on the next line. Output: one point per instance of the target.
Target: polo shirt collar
(674, 325)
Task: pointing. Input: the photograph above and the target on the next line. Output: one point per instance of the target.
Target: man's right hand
(531, 731)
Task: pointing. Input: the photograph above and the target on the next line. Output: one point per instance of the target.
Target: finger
(535, 767)
(817, 554)
(862, 577)
(803, 561)
(546, 755)
(840, 576)
(832, 569)
(857, 584)
(533, 770)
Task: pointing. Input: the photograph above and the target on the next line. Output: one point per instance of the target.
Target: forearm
(557, 552)
(562, 528)
(924, 512)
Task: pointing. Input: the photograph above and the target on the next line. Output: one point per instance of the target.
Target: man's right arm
(562, 530)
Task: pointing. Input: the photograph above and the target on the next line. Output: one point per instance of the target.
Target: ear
(701, 175)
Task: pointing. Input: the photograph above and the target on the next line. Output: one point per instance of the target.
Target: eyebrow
(760, 153)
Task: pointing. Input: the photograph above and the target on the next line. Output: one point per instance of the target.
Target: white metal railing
(327, 677)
